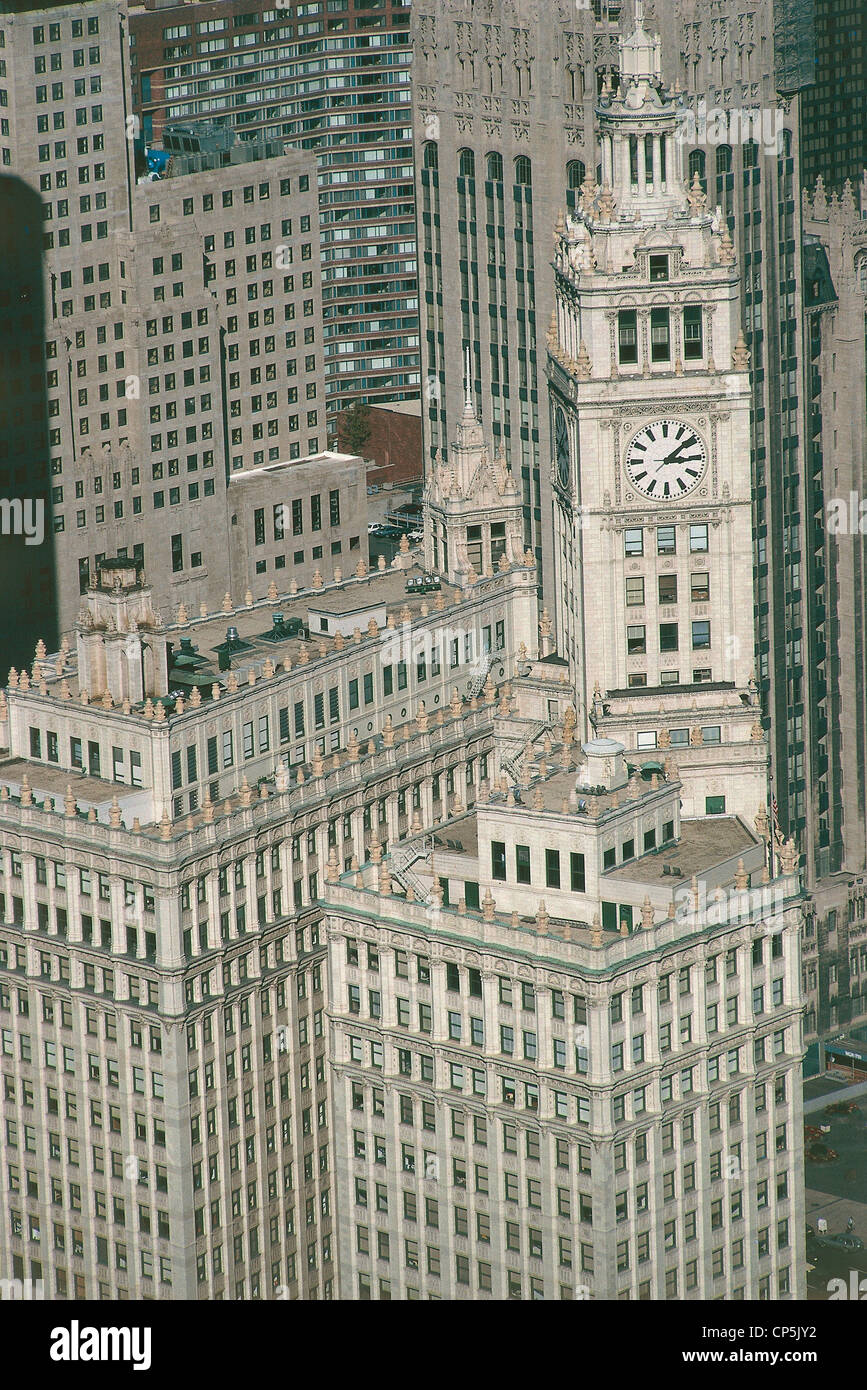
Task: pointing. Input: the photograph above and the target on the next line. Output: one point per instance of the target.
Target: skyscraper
(833, 109)
(652, 517)
(503, 136)
(182, 316)
(331, 78)
(305, 1002)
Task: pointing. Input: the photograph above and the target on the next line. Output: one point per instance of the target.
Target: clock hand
(680, 448)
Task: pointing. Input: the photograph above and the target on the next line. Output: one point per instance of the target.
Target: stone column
(657, 162)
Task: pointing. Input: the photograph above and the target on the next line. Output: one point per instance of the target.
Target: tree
(355, 427)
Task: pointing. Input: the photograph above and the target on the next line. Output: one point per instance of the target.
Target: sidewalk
(836, 1211)
(831, 1097)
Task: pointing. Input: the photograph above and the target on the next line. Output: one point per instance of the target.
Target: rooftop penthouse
(587, 858)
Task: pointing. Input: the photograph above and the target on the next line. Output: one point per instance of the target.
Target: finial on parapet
(332, 869)
(789, 856)
(726, 247)
(696, 196)
(741, 354)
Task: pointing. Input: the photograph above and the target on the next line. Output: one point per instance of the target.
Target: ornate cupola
(473, 514)
(642, 162)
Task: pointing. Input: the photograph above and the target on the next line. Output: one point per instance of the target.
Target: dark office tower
(27, 578)
(809, 632)
(834, 108)
(835, 298)
(503, 134)
(332, 77)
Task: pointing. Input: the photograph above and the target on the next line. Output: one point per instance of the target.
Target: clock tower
(650, 418)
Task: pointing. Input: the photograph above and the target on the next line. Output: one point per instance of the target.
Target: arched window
(495, 167)
(523, 170)
(861, 272)
(466, 164)
(784, 145)
(724, 159)
(575, 175)
(751, 154)
(697, 165)
(431, 155)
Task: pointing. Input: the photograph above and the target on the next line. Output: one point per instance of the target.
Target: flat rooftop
(559, 786)
(46, 780)
(702, 844)
(327, 458)
(386, 588)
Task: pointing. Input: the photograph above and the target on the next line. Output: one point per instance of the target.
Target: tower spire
(468, 385)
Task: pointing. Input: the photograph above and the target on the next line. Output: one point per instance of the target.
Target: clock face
(561, 443)
(666, 460)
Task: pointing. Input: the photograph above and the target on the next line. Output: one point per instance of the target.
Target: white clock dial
(666, 460)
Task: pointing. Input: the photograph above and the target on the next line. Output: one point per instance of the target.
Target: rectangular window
(699, 588)
(698, 538)
(636, 640)
(634, 593)
(667, 588)
(693, 347)
(627, 336)
(576, 870)
(633, 541)
(552, 868)
(660, 336)
(498, 860)
(522, 863)
(666, 541)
